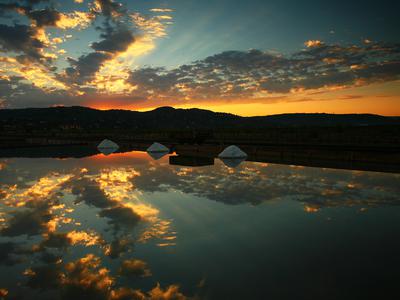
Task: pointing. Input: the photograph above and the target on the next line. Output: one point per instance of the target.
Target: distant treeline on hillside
(80, 125)
(168, 118)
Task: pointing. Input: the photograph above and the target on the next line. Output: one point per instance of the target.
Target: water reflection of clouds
(39, 206)
(43, 200)
(39, 209)
(257, 183)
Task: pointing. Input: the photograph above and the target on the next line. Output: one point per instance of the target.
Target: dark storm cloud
(24, 39)
(85, 67)
(120, 216)
(110, 8)
(114, 40)
(157, 79)
(44, 17)
(31, 222)
(21, 39)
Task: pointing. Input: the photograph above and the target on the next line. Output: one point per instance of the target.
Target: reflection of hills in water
(51, 152)
(194, 155)
(251, 182)
(191, 161)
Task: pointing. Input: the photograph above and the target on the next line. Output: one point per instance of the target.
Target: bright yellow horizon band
(381, 99)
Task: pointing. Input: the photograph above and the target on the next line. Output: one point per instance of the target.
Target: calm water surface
(126, 226)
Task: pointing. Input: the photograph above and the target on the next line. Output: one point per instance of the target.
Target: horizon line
(197, 108)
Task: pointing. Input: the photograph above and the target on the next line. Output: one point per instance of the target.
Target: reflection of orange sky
(380, 99)
(115, 157)
(124, 155)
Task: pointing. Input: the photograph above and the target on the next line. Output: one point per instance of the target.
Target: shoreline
(377, 159)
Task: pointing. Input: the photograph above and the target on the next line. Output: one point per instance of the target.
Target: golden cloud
(113, 74)
(57, 40)
(313, 43)
(161, 10)
(76, 19)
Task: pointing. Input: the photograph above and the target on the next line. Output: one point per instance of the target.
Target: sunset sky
(253, 57)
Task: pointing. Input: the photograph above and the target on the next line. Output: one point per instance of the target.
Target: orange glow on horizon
(386, 107)
(382, 99)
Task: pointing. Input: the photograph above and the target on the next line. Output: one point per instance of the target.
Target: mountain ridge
(178, 118)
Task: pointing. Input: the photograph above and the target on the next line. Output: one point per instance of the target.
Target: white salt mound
(107, 144)
(157, 147)
(232, 152)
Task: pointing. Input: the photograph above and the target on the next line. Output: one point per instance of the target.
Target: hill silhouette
(164, 118)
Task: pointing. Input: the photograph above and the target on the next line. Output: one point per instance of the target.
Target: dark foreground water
(126, 226)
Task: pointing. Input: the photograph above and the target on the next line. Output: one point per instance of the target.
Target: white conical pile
(107, 147)
(157, 147)
(232, 152)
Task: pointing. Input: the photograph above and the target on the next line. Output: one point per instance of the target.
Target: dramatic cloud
(236, 74)
(313, 43)
(23, 40)
(121, 216)
(44, 17)
(114, 40)
(86, 66)
(44, 91)
(49, 17)
(108, 8)
(32, 54)
(105, 69)
(134, 268)
(161, 10)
